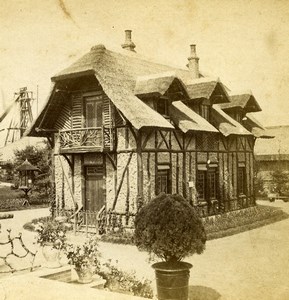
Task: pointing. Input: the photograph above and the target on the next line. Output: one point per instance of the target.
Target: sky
(244, 42)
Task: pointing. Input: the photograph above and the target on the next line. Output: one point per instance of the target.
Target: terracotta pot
(172, 280)
(51, 255)
(84, 274)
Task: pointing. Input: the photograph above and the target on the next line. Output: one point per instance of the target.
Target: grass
(12, 199)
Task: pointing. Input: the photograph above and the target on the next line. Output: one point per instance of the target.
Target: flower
(51, 232)
(84, 256)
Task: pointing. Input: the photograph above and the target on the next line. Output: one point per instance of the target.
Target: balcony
(85, 140)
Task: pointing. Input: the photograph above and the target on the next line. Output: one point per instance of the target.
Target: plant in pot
(85, 259)
(170, 228)
(52, 237)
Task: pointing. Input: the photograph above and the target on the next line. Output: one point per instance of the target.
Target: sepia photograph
(144, 150)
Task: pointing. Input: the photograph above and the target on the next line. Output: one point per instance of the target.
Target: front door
(94, 185)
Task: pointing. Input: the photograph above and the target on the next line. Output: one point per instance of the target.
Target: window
(205, 112)
(241, 180)
(162, 106)
(212, 187)
(93, 111)
(201, 184)
(207, 181)
(163, 179)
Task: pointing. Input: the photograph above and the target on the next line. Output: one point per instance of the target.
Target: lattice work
(81, 137)
(207, 141)
(11, 241)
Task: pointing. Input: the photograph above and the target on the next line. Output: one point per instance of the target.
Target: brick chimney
(128, 44)
(193, 64)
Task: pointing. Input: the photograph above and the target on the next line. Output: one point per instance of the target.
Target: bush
(120, 281)
(169, 227)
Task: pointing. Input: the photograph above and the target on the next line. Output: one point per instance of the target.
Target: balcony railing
(82, 138)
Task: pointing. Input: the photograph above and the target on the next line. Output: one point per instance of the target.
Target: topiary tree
(169, 227)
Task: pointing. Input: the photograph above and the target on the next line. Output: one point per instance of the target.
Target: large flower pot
(51, 255)
(84, 274)
(172, 280)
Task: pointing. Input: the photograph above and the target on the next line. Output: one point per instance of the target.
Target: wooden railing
(90, 221)
(81, 138)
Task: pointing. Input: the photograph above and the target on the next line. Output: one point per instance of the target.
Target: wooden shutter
(77, 111)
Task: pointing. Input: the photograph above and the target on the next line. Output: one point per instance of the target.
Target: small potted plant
(85, 259)
(52, 237)
(169, 227)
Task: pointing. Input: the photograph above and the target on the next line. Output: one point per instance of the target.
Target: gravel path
(250, 265)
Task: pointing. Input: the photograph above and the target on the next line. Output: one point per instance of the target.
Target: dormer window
(205, 111)
(162, 107)
(202, 109)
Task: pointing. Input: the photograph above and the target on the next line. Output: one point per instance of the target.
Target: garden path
(249, 265)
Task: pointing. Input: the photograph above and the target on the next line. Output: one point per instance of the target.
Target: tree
(41, 158)
(280, 181)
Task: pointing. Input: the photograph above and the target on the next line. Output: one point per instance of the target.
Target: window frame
(163, 171)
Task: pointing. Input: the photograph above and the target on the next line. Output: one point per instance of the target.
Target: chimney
(193, 64)
(128, 44)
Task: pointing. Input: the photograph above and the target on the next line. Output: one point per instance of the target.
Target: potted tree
(169, 227)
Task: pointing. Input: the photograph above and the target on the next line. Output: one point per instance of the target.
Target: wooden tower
(19, 115)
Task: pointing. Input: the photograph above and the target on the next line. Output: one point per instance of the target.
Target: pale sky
(244, 43)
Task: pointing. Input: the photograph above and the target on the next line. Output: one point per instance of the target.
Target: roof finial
(128, 44)
(193, 62)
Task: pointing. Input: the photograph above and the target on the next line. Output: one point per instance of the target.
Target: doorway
(94, 188)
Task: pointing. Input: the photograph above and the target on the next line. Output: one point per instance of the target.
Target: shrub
(84, 256)
(169, 227)
(127, 282)
(51, 232)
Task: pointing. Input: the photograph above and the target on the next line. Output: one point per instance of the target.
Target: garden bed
(221, 225)
(242, 220)
(6, 216)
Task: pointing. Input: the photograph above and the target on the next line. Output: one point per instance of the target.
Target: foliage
(241, 220)
(41, 158)
(84, 256)
(119, 237)
(259, 186)
(169, 227)
(11, 199)
(280, 181)
(51, 232)
(6, 216)
(117, 280)
(33, 224)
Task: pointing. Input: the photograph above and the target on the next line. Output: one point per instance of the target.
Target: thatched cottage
(125, 128)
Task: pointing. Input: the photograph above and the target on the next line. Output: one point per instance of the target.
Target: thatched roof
(208, 88)
(245, 101)
(27, 166)
(124, 74)
(225, 124)
(188, 120)
(158, 84)
(251, 124)
(276, 148)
